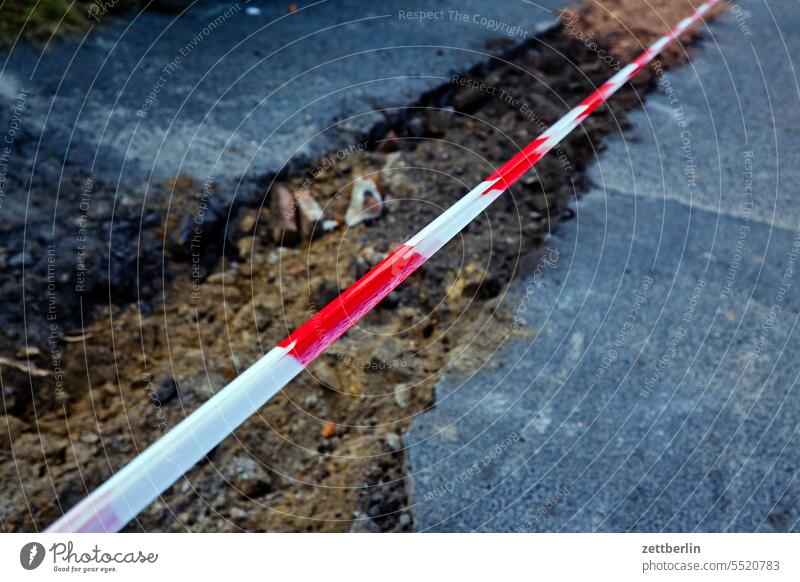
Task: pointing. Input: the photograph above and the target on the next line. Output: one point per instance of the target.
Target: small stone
(393, 161)
(388, 143)
(19, 259)
(219, 277)
(249, 477)
(29, 352)
(10, 429)
(394, 442)
(244, 246)
(167, 391)
(401, 395)
(256, 315)
(310, 214)
(90, 437)
(82, 453)
(325, 374)
(388, 353)
(366, 202)
(388, 359)
(32, 447)
(416, 126)
(284, 217)
(371, 256)
(248, 222)
(238, 513)
(329, 429)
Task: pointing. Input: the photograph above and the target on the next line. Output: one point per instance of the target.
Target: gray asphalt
(222, 92)
(95, 127)
(659, 390)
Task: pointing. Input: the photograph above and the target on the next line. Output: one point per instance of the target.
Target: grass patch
(43, 18)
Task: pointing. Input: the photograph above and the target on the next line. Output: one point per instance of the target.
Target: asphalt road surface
(659, 390)
(225, 92)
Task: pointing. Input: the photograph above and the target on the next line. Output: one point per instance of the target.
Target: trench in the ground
(326, 454)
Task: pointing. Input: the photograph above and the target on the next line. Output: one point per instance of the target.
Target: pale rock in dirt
(10, 429)
(255, 315)
(248, 221)
(394, 442)
(311, 216)
(249, 477)
(401, 395)
(366, 202)
(32, 447)
(244, 247)
(284, 216)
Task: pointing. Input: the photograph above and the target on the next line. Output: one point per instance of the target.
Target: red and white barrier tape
(135, 486)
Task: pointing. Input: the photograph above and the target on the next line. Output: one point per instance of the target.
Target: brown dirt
(326, 453)
(627, 27)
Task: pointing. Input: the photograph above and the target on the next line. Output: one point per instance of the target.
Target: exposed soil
(326, 454)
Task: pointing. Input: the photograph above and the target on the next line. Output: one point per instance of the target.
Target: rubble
(249, 477)
(297, 215)
(10, 429)
(366, 202)
(371, 386)
(311, 215)
(284, 217)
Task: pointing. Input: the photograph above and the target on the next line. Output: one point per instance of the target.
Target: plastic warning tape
(135, 486)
